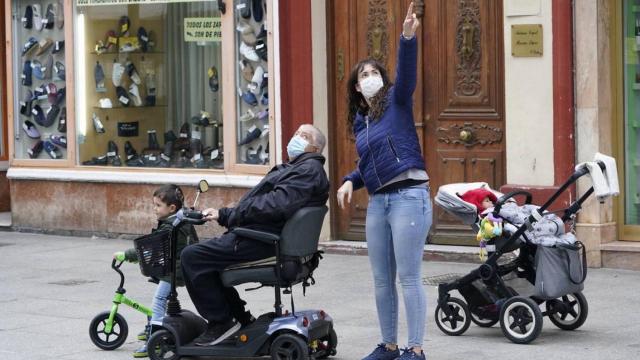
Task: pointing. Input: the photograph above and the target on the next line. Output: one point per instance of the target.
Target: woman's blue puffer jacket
(389, 146)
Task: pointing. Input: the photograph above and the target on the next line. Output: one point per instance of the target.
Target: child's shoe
(144, 334)
(408, 353)
(382, 353)
(141, 352)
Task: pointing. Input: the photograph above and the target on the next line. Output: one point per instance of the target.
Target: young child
(167, 200)
(481, 198)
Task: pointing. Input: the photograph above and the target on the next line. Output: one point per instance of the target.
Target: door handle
(376, 40)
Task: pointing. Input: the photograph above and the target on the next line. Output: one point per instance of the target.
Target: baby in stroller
(551, 259)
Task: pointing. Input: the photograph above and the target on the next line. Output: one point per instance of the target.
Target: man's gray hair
(319, 139)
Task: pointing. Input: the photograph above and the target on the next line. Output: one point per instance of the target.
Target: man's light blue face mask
(296, 146)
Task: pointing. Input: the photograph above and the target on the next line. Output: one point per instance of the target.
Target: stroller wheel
(458, 320)
(568, 312)
(520, 320)
(482, 322)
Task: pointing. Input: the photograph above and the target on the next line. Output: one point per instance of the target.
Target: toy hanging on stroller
(553, 261)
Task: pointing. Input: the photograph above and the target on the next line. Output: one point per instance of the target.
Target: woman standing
(392, 169)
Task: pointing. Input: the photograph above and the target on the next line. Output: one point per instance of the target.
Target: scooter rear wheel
(113, 339)
(162, 346)
(289, 347)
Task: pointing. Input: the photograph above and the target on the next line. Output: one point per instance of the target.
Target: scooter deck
(249, 341)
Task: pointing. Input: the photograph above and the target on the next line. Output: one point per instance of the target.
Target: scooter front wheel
(288, 346)
(162, 346)
(113, 339)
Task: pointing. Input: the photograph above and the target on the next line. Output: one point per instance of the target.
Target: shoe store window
(252, 80)
(150, 89)
(39, 96)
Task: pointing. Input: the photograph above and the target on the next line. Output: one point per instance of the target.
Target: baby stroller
(553, 265)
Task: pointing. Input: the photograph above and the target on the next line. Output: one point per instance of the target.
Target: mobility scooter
(295, 335)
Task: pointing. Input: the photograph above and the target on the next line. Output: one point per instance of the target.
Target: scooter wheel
(162, 346)
(112, 340)
(289, 347)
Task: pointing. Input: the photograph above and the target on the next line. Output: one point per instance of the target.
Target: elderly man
(286, 188)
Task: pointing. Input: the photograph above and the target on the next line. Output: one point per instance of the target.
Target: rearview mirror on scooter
(203, 186)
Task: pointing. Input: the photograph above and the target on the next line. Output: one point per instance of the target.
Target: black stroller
(557, 271)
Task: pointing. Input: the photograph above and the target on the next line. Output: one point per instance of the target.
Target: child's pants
(159, 304)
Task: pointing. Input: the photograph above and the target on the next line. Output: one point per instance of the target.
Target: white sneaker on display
(135, 95)
(116, 76)
(248, 52)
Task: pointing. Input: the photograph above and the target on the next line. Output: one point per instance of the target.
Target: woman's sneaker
(382, 353)
(410, 354)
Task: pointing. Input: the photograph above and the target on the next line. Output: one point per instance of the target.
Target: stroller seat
(448, 197)
(296, 252)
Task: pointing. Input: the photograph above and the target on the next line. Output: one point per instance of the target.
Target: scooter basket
(153, 253)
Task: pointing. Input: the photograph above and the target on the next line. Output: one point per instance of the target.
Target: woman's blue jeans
(397, 226)
(159, 303)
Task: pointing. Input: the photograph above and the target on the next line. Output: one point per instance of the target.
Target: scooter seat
(250, 264)
(296, 258)
(263, 274)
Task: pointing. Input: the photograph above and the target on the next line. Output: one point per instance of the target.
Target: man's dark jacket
(285, 189)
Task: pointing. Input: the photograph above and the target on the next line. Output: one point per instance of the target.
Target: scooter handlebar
(190, 216)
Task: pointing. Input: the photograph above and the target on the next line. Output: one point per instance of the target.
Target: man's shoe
(216, 333)
(153, 140)
(382, 353)
(409, 354)
(141, 352)
(246, 319)
(100, 160)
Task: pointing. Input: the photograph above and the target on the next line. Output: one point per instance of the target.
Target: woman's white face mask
(370, 86)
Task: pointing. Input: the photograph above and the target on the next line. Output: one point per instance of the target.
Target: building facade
(486, 108)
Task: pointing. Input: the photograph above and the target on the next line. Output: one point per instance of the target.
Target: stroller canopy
(448, 197)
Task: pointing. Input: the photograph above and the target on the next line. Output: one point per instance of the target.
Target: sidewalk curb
(464, 254)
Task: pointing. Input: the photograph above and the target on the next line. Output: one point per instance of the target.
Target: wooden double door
(458, 102)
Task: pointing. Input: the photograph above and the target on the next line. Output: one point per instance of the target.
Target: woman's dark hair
(357, 103)
(170, 195)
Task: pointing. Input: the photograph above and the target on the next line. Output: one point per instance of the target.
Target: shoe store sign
(202, 29)
(129, 2)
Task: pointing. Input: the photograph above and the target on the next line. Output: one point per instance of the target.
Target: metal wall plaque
(526, 40)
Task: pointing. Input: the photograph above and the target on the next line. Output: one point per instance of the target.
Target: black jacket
(285, 189)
